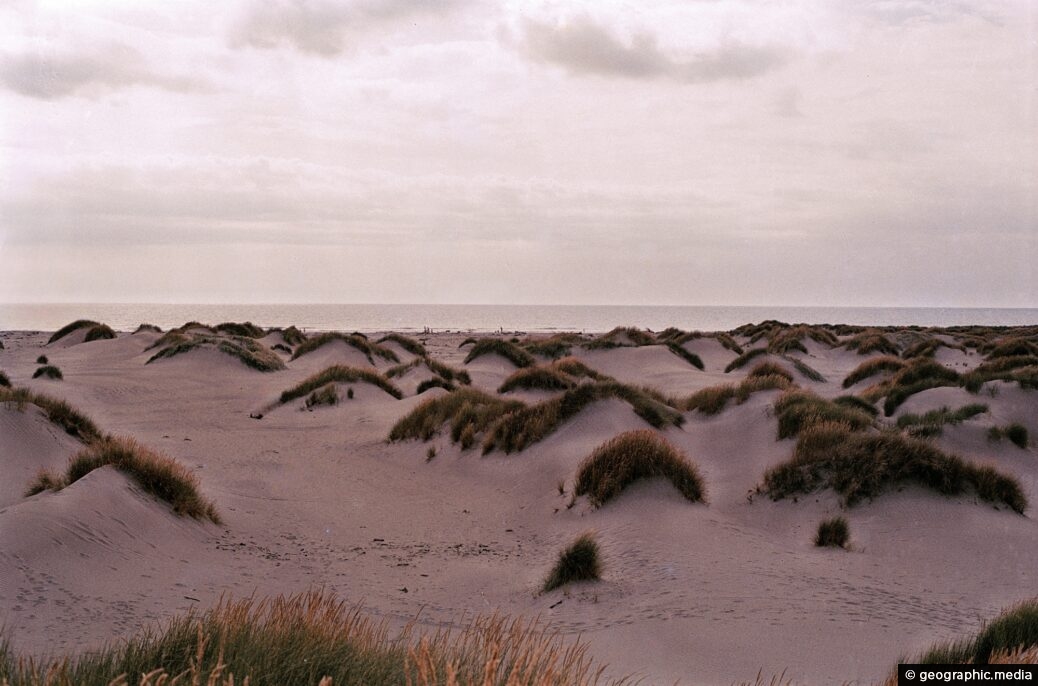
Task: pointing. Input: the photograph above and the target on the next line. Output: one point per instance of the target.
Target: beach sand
(701, 593)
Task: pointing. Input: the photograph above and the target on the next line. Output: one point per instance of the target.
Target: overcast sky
(850, 152)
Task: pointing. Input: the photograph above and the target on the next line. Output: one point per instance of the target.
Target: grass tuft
(434, 382)
(4, 381)
(48, 371)
(932, 423)
(1016, 433)
(873, 366)
(833, 533)
(42, 359)
(1013, 631)
(69, 328)
(744, 358)
(621, 337)
(58, 412)
(872, 341)
(581, 561)
(631, 456)
(710, 400)
(538, 378)
(409, 344)
(245, 350)
(771, 369)
(354, 340)
(148, 328)
(686, 355)
(462, 407)
(99, 333)
(495, 346)
(808, 372)
(326, 395)
(339, 374)
(243, 329)
(859, 465)
(798, 410)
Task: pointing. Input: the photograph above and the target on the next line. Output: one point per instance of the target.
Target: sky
(701, 152)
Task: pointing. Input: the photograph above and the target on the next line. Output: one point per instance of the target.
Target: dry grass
(1011, 347)
(631, 456)
(409, 344)
(48, 371)
(148, 328)
(928, 348)
(797, 410)
(686, 355)
(315, 639)
(506, 349)
(932, 423)
(872, 341)
(361, 343)
(244, 329)
(73, 422)
(463, 408)
(744, 358)
(1009, 638)
(620, 337)
(1015, 432)
(538, 378)
(771, 369)
(4, 381)
(434, 382)
(710, 400)
(581, 561)
(767, 382)
(806, 371)
(445, 372)
(577, 369)
(859, 465)
(42, 359)
(69, 328)
(516, 430)
(99, 333)
(919, 375)
(873, 366)
(155, 473)
(325, 395)
(553, 347)
(833, 533)
(246, 350)
(339, 374)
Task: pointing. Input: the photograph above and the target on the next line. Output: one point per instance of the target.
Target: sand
(701, 593)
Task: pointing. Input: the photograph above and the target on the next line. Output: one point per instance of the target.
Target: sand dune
(702, 593)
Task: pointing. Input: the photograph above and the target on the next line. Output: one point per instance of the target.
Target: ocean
(508, 318)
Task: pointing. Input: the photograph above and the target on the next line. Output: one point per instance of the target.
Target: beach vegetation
(340, 374)
(686, 355)
(871, 341)
(461, 407)
(48, 371)
(246, 350)
(98, 333)
(58, 412)
(1015, 432)
(833, 532)
(147, 328)
(406, 342)
(873, 366)
(797, 410)
(1014, 630)
(745, 358)
(354, 340)
(932, 423)
(69, 328)
(243, 329)
(506, 349)
(581, 561)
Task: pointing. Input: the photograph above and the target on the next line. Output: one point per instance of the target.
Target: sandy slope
(703, 593)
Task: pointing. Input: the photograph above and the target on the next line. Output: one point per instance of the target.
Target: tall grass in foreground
(161, 476)
(59, 412)
(860, 465)
(1013, 630)
(581, 561)
(339, 374)
(631, 456)
(314, 639)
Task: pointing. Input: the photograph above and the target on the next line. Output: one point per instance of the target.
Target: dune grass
(462, 407)
(577, 369)
(506, 349)
(548, 378)
(932, 423)
(155, 473)
(99, 333)
(805, 370)
(325, 395)
(147, 328)
(554, 347)
(315, 639)
(686, 355)
(361, 343)
(928, 348)
(710, 400)
(873, 366)
(434, 382)
(1012, 347)
(581, 561)
(857, 403)
(4, 381)
(243, 329)
(69, 328)
(1014, 629)
(515, 431)
(42, 359)
(447, 373)
(1015, 432)
(919, 375)
(339, 374)
(58, 412)
(407, 343)
(833, 533)
(631, 456)
(245, 350)
(770, 369)
(766, 382)
(871, 341)
(858, 465)
(48, 371)
(798, 410)
(743, 359)
(615, 339)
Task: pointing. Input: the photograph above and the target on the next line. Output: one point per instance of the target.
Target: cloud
(53, 76)
(906, 12)
(582, 47)
(324, 28)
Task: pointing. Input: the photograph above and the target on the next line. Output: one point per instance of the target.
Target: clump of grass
(744, 358)
(74, 326)
(577, 369)
(538, 378)
(1012, 347)
(770, 369)
(860, 465)
(58, 412)
(44, 480)
(339, 374)
(857, 403)
(686, 355)
(496, 346)
(48, 371)
(409, 344)
(354, 340)
(928, 348)
(872, 341)
(621, 336)
(446, 373)
(710, 400)
(326, 395)
(808, 372)
(632, 456)
(314, 638)
(1014, 630)
(244, 349)
(461, 407)
(157, 474)
(581, 561)
(99, 333)
(873, 366)
(1015, 432)
(434, 382)
(281, 347)
(798, 410)
(147, 328)
(42, 359)
(244, 329)
(766, 382)
(833, 533)
(516, 430)
(4, 381)
(932, 423)
(554, 347)
(468, 341)
(919, 375)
